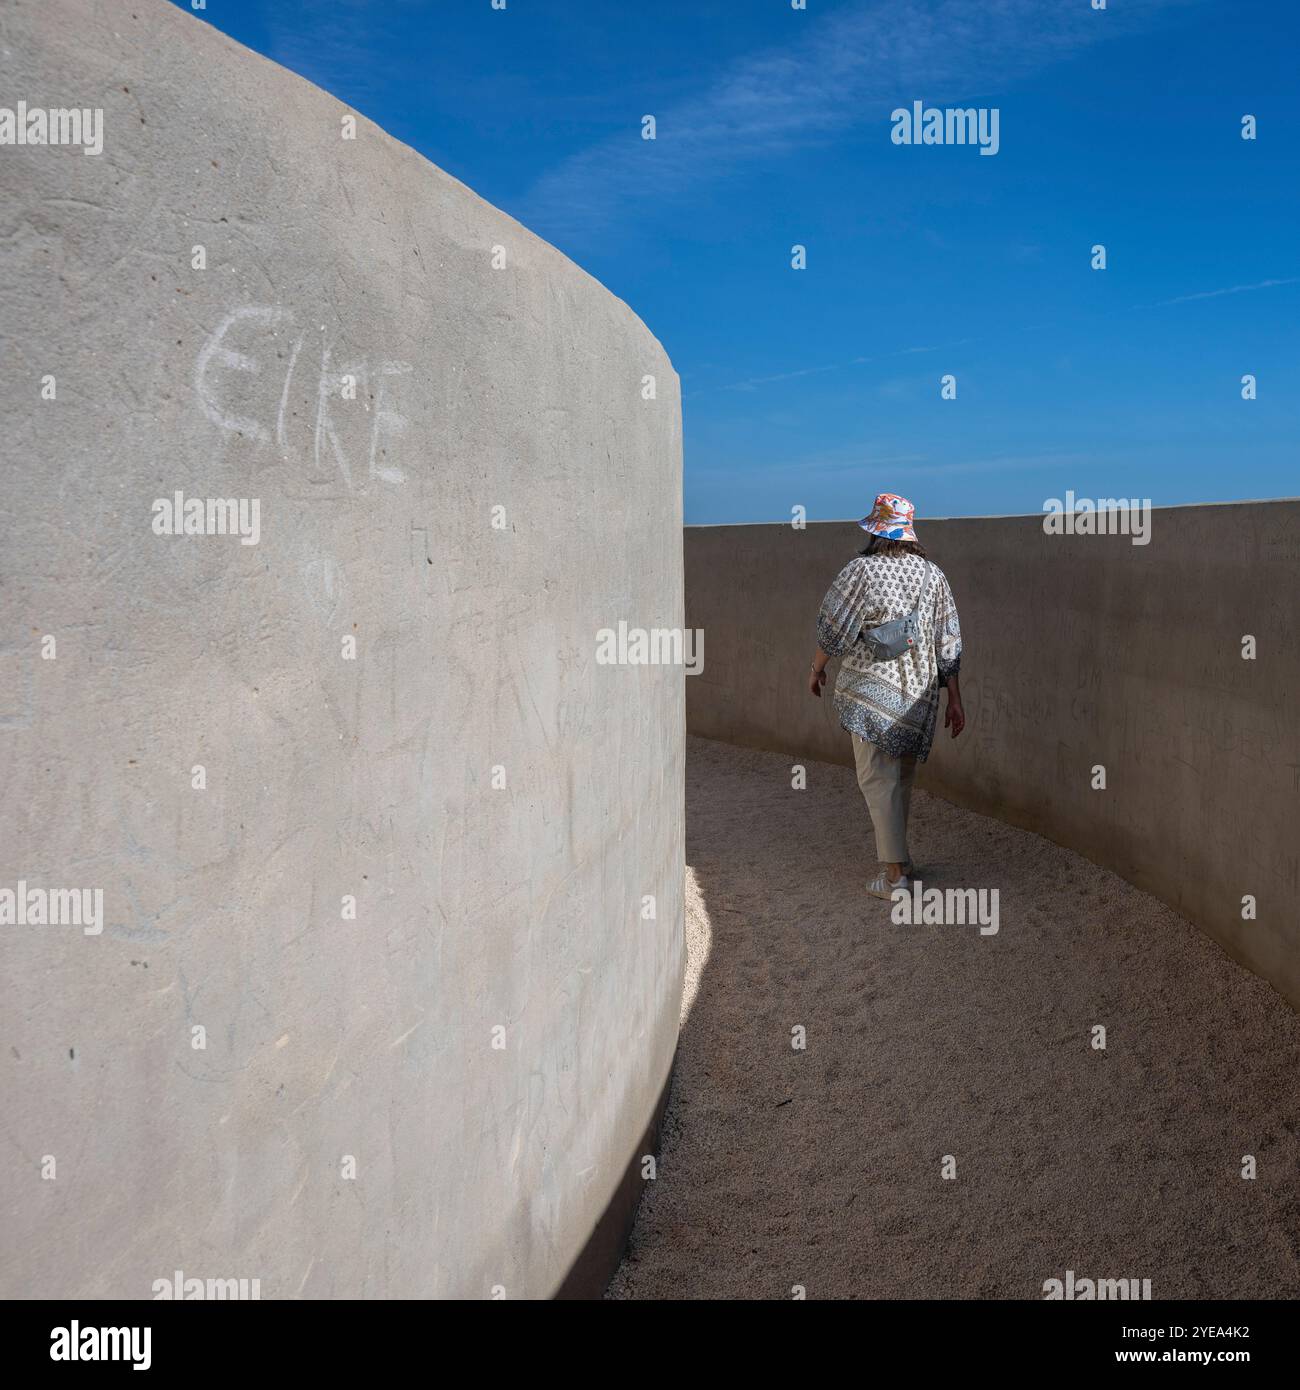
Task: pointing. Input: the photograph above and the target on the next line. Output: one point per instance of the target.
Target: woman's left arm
(947, 651)
(947, 631)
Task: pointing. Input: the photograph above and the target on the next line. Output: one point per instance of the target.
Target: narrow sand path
(822, 1167)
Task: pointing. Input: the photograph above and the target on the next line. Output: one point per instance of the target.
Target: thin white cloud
(850, 459)
(1235, 289)
(856, 63)
(352, 48)
(753, 383)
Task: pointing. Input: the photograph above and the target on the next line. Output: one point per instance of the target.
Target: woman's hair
(878, 545)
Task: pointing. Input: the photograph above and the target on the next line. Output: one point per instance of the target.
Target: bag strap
(925, 584)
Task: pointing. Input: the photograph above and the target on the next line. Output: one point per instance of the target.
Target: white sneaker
(880, 887)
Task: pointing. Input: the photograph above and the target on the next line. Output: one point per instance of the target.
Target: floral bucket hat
(891, 518)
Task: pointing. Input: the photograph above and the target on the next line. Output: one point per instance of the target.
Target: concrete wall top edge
(987, 516)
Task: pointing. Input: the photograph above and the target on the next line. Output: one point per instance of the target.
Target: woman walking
(890, 614)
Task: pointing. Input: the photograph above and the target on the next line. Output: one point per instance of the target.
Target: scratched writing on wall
(245, 377)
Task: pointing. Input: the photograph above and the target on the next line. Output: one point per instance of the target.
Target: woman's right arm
(817, 675)
(839, 620)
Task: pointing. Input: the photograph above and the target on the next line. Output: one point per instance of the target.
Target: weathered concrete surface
(476, 906)
(1079, 651)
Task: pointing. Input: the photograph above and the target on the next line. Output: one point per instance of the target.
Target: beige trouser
(886, 784)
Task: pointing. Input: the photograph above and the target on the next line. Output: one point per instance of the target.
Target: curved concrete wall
(486, 1040)
(1079, 650)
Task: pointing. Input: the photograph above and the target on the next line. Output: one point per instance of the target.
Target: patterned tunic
(891, 703)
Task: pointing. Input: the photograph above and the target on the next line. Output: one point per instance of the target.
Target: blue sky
(821, 387)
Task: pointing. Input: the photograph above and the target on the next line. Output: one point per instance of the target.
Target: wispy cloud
(353, 48)
(1235, 289)
(843, 460)
(856, 63)
(810, 472)
(1001, 463)
(755, 382)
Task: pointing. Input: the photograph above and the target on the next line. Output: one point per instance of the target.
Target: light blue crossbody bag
(894, 639)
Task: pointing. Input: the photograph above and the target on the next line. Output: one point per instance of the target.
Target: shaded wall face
(375, 1009)
(1080, 652)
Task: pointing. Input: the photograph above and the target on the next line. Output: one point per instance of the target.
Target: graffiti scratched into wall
(245, 385)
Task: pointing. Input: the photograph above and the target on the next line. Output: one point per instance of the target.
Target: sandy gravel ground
(822, 1167)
